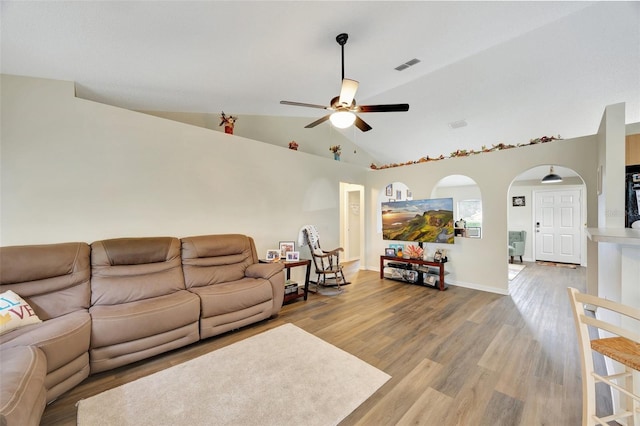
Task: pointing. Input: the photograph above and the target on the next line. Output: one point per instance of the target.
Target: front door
(558, 227)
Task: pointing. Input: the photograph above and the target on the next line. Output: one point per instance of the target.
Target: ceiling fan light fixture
(342, 119)
(551, 177)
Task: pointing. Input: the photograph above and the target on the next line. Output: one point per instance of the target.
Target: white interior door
(353, 225)
(558, 227)
(352, 221)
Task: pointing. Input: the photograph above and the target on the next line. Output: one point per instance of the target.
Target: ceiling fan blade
(360, 124)
(318, 121)
(383, 108)
(348, 91)
(304, 105)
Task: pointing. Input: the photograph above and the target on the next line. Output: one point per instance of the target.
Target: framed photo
(409, 194)
(285, 247)
(389, 190)
(293, 256)
(396, 247)
(273, 255)
(398, 195)
(390, 251)
(518, 201)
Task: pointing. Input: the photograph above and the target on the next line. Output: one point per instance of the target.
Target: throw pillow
(15, 312)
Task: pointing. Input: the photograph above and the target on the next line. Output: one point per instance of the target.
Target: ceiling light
(551, 177)
(342, 119)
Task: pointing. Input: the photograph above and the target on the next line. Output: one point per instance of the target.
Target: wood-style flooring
(458, 357)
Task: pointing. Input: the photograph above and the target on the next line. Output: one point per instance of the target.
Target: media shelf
(421, 270)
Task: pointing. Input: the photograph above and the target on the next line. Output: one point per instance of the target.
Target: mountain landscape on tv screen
(428, 220)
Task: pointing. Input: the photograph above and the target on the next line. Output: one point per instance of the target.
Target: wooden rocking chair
(327, 263)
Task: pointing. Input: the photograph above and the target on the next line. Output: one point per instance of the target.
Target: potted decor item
(228, 122)
(336, 149)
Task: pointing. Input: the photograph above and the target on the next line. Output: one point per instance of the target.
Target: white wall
(76, 170)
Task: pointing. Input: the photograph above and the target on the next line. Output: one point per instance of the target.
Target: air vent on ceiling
(407, 64)
(458, 124)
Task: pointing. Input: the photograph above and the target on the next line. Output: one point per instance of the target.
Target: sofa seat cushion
(62, 339)
(22, 392)
(233, 296)
(114, 324)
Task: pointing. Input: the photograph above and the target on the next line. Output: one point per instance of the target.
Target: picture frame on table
(293, 256)
(390, 251)
(285, 247)
(439, 255)
(273, 255)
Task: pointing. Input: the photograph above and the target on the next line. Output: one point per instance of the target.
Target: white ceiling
(512, 70)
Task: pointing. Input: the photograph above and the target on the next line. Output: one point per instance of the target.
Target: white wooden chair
(620, 343)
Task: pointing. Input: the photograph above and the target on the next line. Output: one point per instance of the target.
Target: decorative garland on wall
(466, 153)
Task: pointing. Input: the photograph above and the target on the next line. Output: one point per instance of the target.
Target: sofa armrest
(263, 270)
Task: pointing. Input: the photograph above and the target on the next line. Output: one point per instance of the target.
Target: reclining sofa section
(119, 301)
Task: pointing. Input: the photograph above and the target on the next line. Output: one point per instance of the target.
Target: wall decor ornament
(466, 153)
(337, 150)
(293, 145)
(518, 201)
(229, 122)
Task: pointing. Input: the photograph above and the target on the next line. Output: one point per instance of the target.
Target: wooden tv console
(439, 266)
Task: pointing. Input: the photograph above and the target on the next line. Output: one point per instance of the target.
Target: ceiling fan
(344, 106)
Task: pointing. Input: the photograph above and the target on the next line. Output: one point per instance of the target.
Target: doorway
(557, 225)
(352, 221)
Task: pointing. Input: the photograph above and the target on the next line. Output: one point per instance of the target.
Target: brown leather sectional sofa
(118, 301)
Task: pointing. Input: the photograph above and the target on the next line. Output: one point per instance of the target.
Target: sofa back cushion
(214, 259)
(52, 278)
(129, 269)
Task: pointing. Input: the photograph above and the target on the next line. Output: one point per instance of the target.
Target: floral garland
(466, 153)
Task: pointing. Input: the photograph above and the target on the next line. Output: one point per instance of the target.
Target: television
(421, 221)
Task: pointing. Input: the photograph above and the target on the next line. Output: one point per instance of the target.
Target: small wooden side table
(293, 264)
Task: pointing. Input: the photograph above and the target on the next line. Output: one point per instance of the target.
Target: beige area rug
(284, 376)
(514, 270)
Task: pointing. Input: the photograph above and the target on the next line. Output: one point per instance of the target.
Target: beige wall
(282, 130)
(481, 263)
(78, 170)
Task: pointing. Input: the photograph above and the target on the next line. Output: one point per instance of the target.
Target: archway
(467, 203)
(552, 215)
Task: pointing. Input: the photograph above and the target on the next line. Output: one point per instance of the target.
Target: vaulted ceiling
(510, 71)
